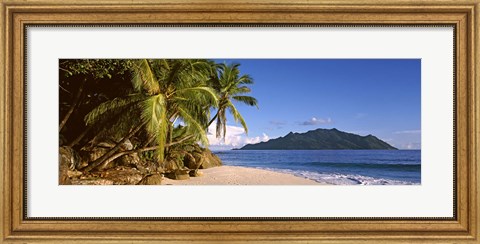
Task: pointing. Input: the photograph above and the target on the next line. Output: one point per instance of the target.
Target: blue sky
(362, 96)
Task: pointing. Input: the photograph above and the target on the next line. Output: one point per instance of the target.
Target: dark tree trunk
(80, 137)
(169, 136)
(75, 103)
(213, 119)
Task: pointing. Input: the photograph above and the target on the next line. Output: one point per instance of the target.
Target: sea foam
(341, 179)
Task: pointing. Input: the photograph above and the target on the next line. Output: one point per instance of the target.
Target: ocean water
(340, 167)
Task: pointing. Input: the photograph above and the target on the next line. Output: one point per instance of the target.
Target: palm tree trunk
(179, 141)
(119, 154)
(213, 119)
(170, 135)
(170, 131)
(107, 155)
(76, 100)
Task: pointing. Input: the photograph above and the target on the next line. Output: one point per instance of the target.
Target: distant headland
(321, 139)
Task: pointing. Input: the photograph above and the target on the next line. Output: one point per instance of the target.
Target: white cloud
(235, 137)
(257, 139)
(406, 145)
(412, 145)
(316, 121)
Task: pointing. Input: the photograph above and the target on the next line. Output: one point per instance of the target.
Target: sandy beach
(234, 175)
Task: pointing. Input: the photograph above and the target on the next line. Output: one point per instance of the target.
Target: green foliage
(97, 68)
(144, 79)
(84, 84)
(236, 115)
(121, 125)
(171, 90)
(178, 152)
(164, 93)
(148, 155)
(231, 87)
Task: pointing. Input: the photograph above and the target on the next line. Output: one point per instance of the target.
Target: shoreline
(236, 175)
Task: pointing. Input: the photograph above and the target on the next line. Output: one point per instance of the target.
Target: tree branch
(109, 154)
(145, 149)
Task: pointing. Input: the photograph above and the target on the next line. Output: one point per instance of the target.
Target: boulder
(155, 179)
(195, 173)
(210, 160)
(179, 174)
(70, 158)
(69, 161)
(191, 162)
(110, 143)
(91, 182)
(127, 145)
(61, 140)
(115, 176)
(94, 153)
(123, 176)
(148, 167)
(129, 159)
(63, 178)
(171, 165)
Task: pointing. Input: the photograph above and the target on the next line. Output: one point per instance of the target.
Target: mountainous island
(321, 139)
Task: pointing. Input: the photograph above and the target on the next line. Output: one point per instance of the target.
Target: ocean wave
(395, 166)
(342, 179)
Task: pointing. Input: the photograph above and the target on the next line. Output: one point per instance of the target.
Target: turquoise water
(341, 167)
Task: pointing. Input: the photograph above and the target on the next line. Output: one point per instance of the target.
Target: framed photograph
(242, 121)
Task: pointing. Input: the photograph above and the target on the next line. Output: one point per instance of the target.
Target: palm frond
(122, 124)
(111, 106)
(144, 77)
(197, 110)
(154, 113)
(237, 116)
(193, 127)
(240, 90)
(245, 79)
(251, 101)
(200, 92)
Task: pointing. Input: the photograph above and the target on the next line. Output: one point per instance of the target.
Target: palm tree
(166, 91)
(230, 86)
(177, 90)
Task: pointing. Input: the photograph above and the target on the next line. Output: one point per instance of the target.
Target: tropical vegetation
(150, 115)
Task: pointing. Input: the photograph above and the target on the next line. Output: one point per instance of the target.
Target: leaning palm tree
(230, 87)
(177, 90)
(165, 91)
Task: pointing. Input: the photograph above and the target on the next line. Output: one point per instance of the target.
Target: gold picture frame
(463, 14)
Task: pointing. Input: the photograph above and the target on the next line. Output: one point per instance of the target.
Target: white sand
(233, 175)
